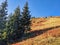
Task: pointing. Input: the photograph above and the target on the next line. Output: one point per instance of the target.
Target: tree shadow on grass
(34, 34)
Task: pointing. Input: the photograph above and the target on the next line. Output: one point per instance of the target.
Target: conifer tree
(17, 22)
(14, 25)
(26, 18)
(3, 14)
(3, 17)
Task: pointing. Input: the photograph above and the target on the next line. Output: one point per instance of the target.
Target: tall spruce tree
(14, 25)
(26, 18)
(9, 28)
(17, 23)
(3, 14)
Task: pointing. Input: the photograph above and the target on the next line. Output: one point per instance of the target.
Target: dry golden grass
(46, 23)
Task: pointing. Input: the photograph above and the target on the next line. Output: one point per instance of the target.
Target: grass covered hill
(44, 31)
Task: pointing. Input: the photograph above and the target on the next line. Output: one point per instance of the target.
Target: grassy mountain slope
(44, 31)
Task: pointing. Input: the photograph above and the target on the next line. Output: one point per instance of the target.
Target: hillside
(44, 31)
(41, 23)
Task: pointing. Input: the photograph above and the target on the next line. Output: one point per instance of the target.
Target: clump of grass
(51, 41)
(47, 41)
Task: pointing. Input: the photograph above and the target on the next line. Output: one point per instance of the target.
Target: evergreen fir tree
(3, 14)
(17, 23)
(9, 28)
(26, 18)
(3, 17)
(14, 25)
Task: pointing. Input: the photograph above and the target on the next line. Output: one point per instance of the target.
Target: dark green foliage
(15, 25)
(26, 18)
(9, 28)
(17, 22)
(3, 14)
(3, 17)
